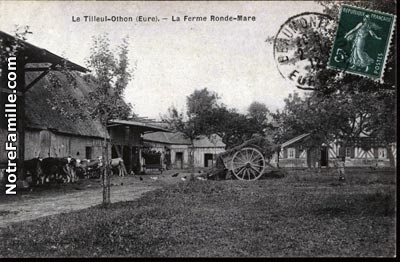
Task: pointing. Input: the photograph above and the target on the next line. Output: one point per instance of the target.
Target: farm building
(363, 152)
(127, 142)
(46, 131)
(41, 131)
(174, 149)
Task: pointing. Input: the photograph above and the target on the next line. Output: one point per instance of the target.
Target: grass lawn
(294, 216)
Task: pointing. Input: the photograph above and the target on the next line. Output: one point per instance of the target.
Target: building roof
(177, 138)
(204, 141)
(41, 115)
(34, 54)
(141, 126)
(294, 140)
(39, 112)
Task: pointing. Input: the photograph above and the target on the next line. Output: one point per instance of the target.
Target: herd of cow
(67, 169)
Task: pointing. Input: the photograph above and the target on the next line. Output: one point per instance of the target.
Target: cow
(87, 168)
(59, 169)
(81, 168)
(70, 170)
(33, 168)
(117, 165)
(94, 168)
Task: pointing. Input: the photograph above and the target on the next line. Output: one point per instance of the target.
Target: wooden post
(21, 115)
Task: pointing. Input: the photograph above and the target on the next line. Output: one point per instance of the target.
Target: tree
(188, 126)
(258, 111)
(340, 117)
(206, 115)
(378, 99)
(202, 101)
(342, 106)
(110, 74)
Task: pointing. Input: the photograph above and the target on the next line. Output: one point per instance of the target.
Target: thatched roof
(40, 114)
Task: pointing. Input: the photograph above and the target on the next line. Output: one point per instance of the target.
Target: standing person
(341, 165)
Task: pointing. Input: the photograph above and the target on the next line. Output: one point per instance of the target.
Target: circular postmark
(302, 47)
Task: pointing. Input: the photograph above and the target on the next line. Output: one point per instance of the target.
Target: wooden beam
(52, 67)
(21, 115)
(37, 69)
(8, 91)
(118, 151)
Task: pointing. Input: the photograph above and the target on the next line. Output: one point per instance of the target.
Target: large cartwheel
(248, 164)
(248, 161)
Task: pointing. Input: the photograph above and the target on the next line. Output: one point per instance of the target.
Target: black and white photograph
(173, 129)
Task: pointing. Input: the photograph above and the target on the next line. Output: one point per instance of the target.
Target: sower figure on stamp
(358, 57)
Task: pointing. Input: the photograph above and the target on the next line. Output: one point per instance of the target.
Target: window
(382, 153)
(291, 153)
(88, 152)
(349, 152)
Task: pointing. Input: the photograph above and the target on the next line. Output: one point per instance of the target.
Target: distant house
(364, 151)
(174, 149)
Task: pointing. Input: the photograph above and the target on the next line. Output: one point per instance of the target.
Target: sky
(172, 59)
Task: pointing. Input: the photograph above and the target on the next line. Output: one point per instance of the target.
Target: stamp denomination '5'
(362, 42)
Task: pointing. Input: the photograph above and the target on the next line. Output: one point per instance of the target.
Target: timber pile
(266, 147)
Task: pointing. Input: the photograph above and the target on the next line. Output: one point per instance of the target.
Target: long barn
(46, 131)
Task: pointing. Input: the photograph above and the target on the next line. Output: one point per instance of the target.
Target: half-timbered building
(364, 151)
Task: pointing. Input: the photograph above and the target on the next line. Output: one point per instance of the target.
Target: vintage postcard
(198, 129)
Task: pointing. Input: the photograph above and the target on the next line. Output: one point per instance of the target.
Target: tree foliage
(344, 106)
(110, 75)
(206, 115)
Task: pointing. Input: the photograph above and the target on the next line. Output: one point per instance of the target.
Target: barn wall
(180, 149)
(79, 144)
(44, 144)
(185, 149)
(3, 153)
(300, 159)
(200, 151)
(33, 145)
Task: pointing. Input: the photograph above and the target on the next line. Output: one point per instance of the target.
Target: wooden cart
(250, 160)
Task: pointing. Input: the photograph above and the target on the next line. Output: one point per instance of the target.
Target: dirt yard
(64, 198)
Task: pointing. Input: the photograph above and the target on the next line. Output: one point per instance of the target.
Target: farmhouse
(365, 151)
(174, 149)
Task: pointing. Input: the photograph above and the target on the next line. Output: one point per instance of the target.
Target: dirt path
(28, 209)
(66, 198)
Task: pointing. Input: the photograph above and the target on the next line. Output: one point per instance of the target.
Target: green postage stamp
(362, 42)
